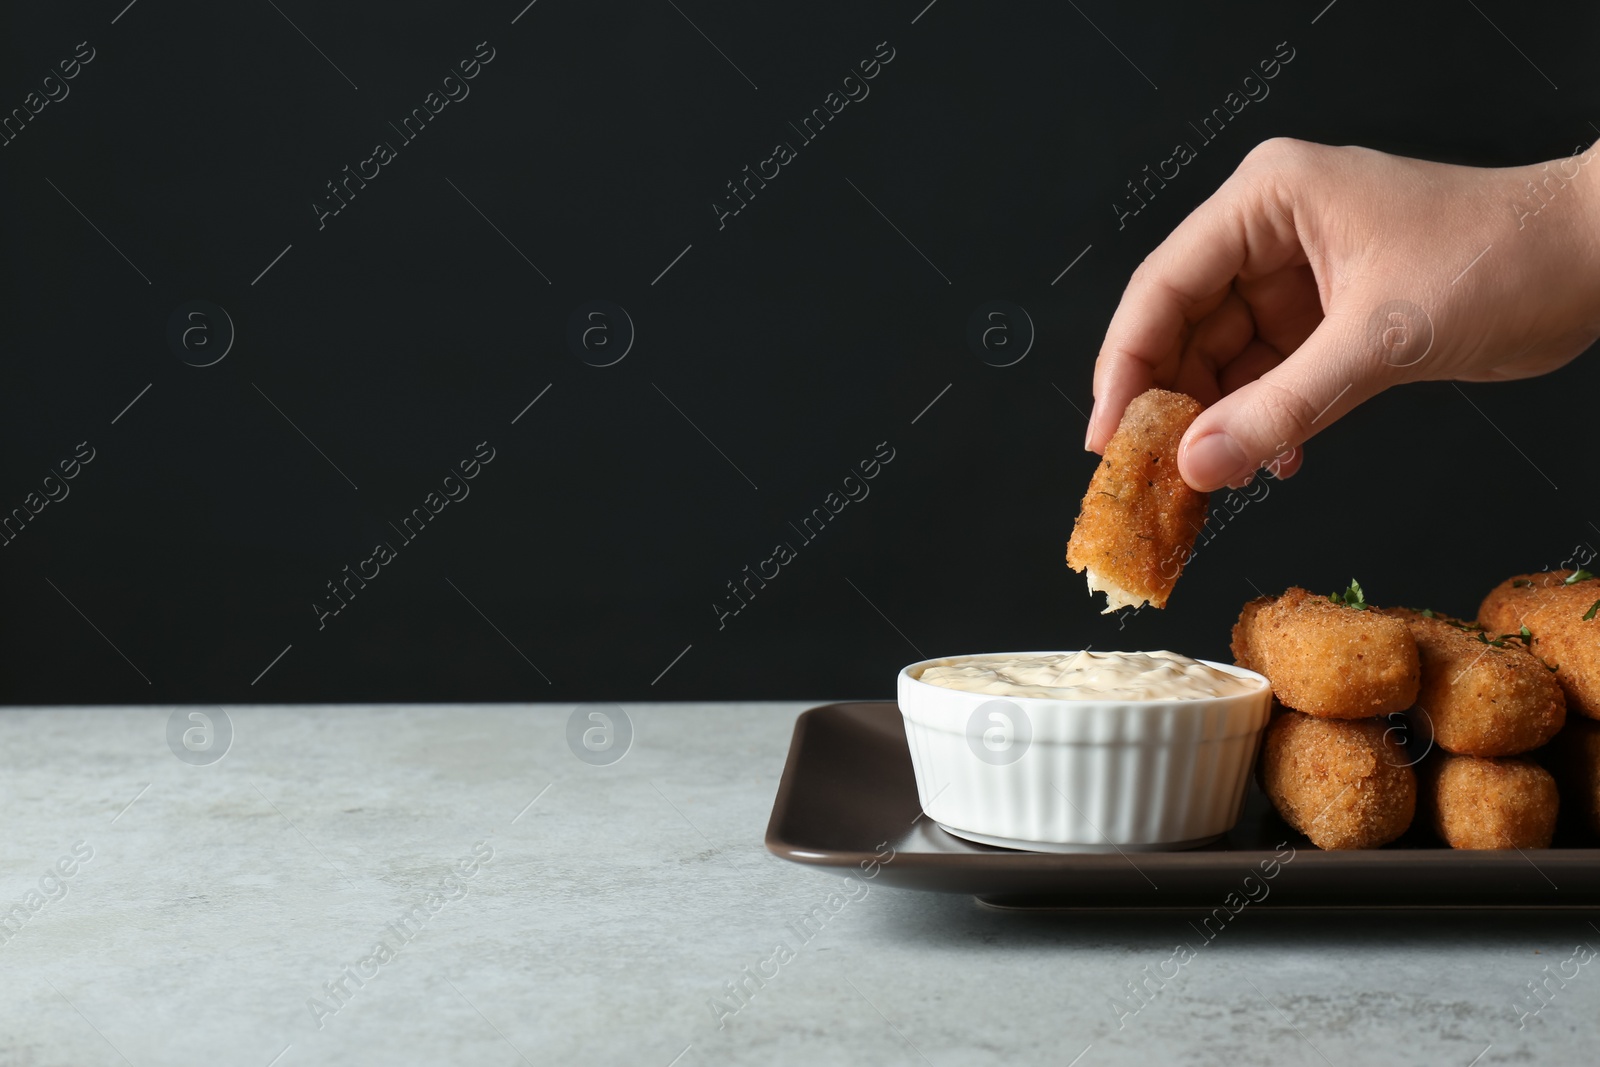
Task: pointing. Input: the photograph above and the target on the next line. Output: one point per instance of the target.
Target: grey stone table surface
(254, 912)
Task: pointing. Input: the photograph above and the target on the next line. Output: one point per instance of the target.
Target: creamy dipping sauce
(1089, 676)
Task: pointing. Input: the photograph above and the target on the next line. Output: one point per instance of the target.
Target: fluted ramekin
(1082, 775)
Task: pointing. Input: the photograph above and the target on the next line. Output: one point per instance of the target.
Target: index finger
(1183, 279)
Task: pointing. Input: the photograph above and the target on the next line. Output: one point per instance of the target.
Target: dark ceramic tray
(848, 787)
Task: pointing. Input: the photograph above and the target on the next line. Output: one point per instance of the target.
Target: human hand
(1316, 277)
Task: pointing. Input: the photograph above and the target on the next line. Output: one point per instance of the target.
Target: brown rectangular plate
(848, 788)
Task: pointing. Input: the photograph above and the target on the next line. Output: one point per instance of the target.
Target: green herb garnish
(1593, 609)
(1465, 627)
(1579, 575)
(1524, 635)
(1352, 597)
(1520, 583)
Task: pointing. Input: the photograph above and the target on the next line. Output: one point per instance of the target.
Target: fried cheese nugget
(1574, 758)
(1326, 659)
(1243, 631)
(1481, 699)
(1137, 523)
(1553, 612)
(1490, 803)
(1343, 784)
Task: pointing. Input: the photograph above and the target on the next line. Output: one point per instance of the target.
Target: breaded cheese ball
(1344, 784)
(1242, 632)
(1480, 699)
(1490, 803)
(1326, 659)
(1553, 612)
(1137, 523)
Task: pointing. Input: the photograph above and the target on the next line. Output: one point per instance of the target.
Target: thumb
(1323, 379)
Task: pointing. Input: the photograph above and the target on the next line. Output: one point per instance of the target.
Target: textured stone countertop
(253, 911)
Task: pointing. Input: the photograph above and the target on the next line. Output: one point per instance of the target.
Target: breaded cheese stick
(1137, 523)
(1327, 659)
(1244, 641)
(1482, 699)
(1343, 784)
(1490, 803)
(1553, 611)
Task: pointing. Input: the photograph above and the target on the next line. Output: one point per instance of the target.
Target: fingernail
(1214, 461)
(1088, 434)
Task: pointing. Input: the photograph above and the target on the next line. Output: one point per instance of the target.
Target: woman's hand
(1316, 277)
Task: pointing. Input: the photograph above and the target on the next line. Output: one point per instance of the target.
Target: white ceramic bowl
(1082, 775)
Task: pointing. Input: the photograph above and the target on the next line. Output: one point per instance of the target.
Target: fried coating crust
(1243, 631)
(1553, 612)
(1481, 700)
(1137, 523)
(1342, 784)
(1574, 758)
(1490, 803)
(1326, 659)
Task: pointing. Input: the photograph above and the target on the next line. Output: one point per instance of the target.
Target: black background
(797, 338)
